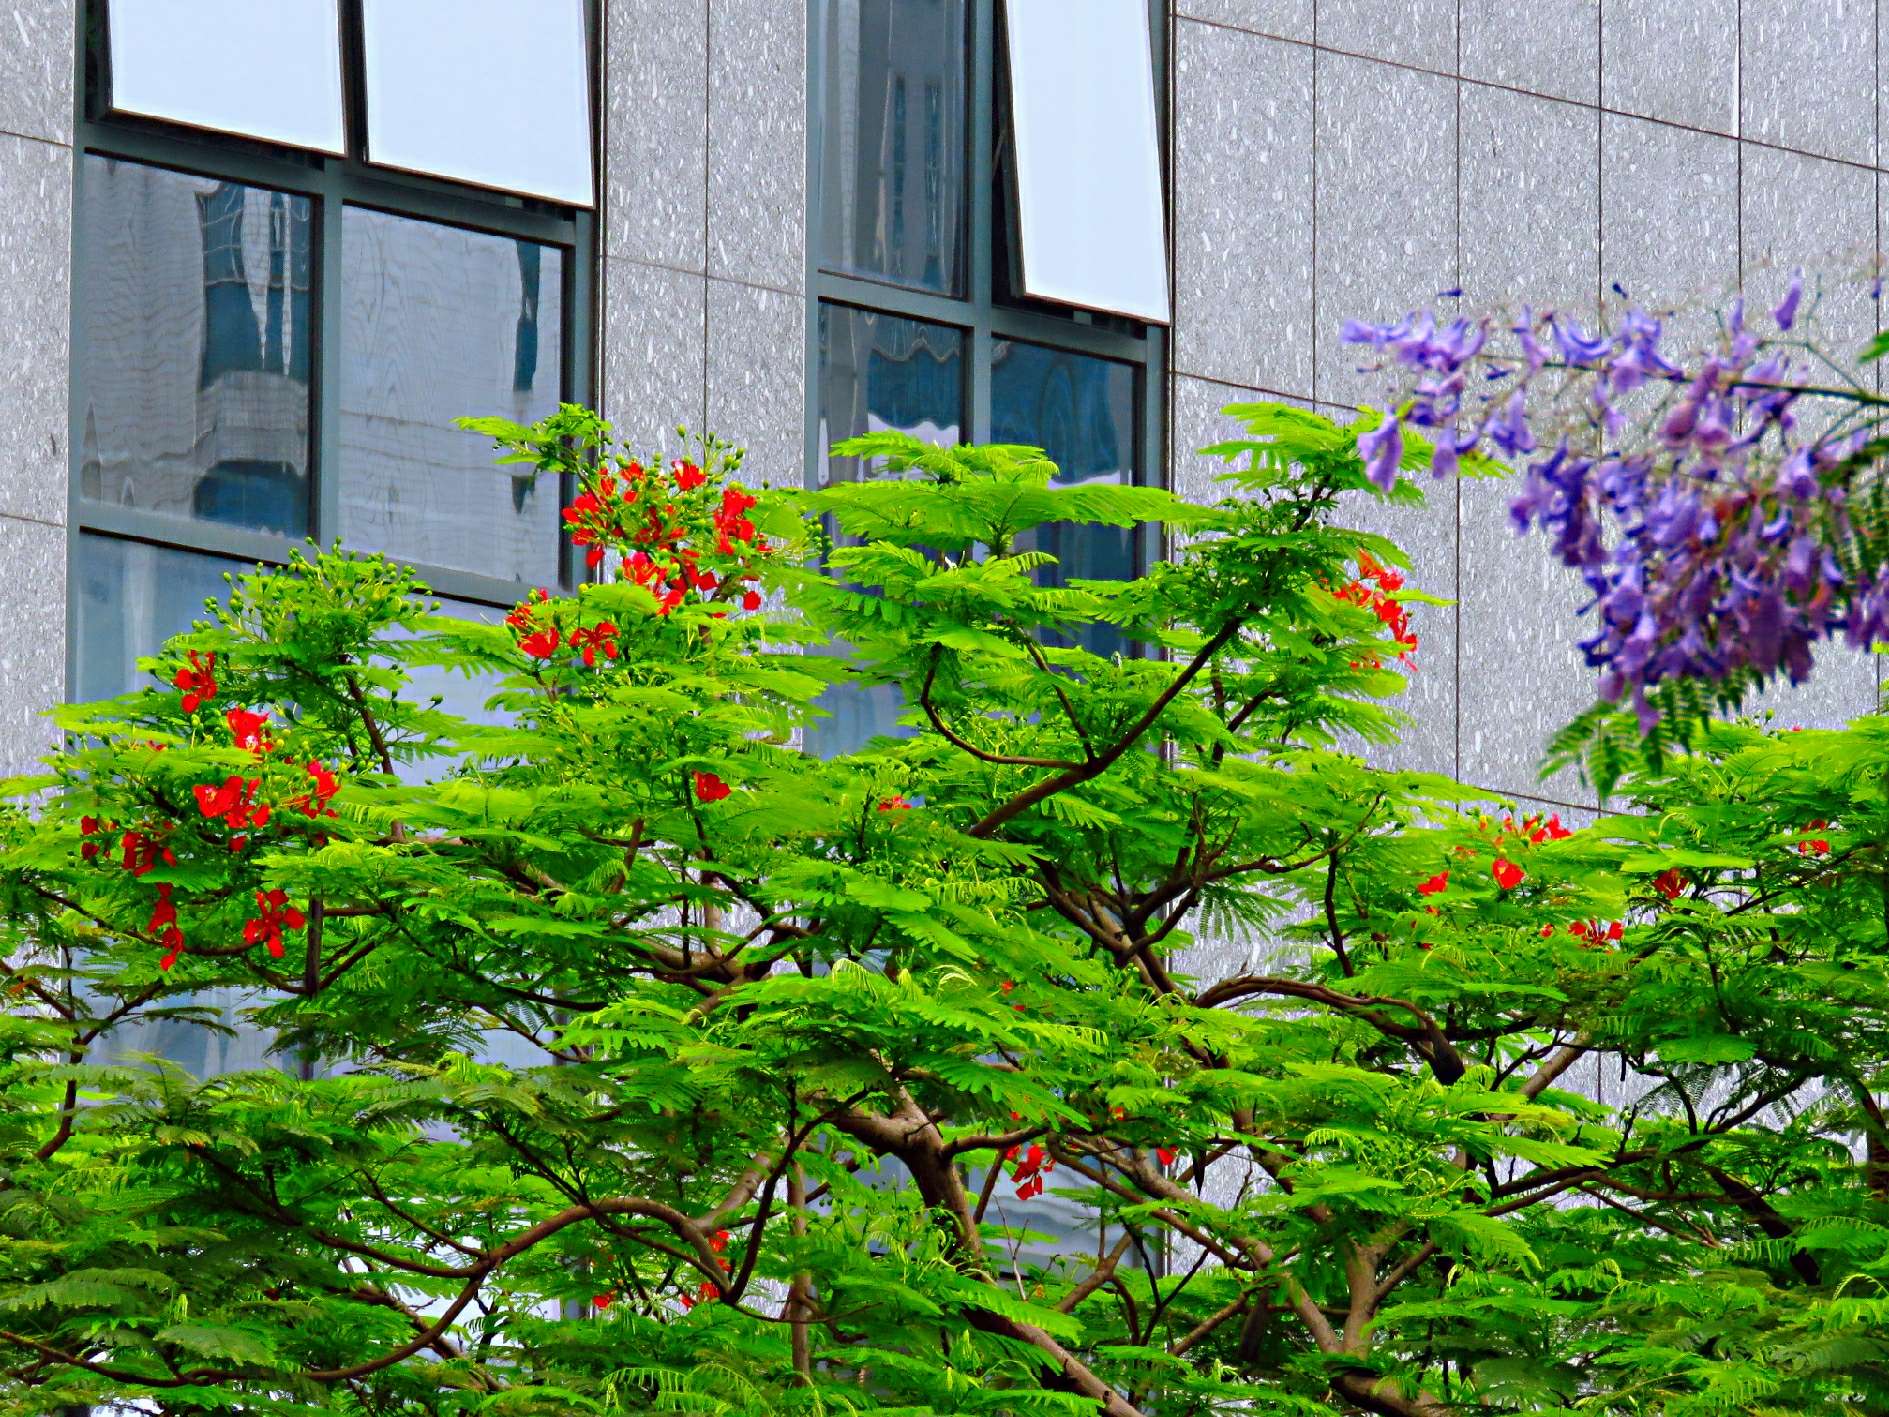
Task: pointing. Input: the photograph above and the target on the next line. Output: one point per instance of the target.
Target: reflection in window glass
(1088, 164)
(1081, 411)
(440, 323)
(270, 71)
(191, 352)
(892, 144)
(880, 372)
(132, 597)
(492, 92)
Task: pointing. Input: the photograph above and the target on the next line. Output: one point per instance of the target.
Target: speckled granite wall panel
(1677, 62)
(33, 652)
(1807, 75)
(757, 142)
(1242, 208)
(653, 351)
(1545, 46)
(35, 287)
(656, 132)
(756, 377)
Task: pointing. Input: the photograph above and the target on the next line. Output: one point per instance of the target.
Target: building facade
(802, 227)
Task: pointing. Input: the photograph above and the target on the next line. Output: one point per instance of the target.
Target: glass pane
(1088, 160)
(439, 323)
(191, 350)
(881, 372)
(270, 71)
(492, 92)
(892, 146)
(1081, 411)
(133, 597)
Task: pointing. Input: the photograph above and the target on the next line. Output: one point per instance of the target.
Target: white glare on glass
(491, 92)
(1088, 168)
(270, 71)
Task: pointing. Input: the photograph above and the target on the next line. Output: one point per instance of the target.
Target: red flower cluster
(235, 805)
(895, 804)
(1507, 874)
(246, 729)
(1374, 590)
(1030, 1171)
(275, 915)
(708, 1289)
(1818, 846)
(198, 680)
(603, 517)
(1670, 882)
(710, 788)
(164, 928)
(314, 802)
(600, 636)
(143, 852)
(1436, 885)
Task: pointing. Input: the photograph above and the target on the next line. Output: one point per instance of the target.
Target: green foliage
(1118, 1038)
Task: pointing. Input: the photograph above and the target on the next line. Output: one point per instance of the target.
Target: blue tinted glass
(191, 346)
(439, 323)
(1081, 411)
(892, 145)
(880, 372)
(133, 597)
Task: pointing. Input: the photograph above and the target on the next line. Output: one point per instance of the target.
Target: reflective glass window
(1081, 411)
(132, 597)
(438, 323)
(1088, 167)
(492, 92)
(266, 70)
(192, 346)
(879, 372)
(892, 146)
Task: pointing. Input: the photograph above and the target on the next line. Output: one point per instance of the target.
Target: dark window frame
(984, 313)
(333, 184)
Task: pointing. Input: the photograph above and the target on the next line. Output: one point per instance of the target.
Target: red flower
(197, 680)
(603, 1300)
(1005, 988)
(163, 927)
(142, 853)
(1030, 1171)
(275, 915)
(1436, 885)
(90, 827)
(710, 788)
(521, 613)
(1546, 931)
(314, 802)
(895, 804)
(751, 601)
(1616, 930)
(246, 729)
(1507, 874)
(601, 636)
(1670, 882)
(234, 803)
(1165, 1155)
(541, 645)
(1816, 847)
(689, 476)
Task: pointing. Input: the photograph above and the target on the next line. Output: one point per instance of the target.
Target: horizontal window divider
(411, 198)
(206, 538)
(895, 300)
(1036, 328)
(222, 160)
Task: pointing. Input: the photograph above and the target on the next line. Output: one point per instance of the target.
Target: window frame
(982, 317)
(332, 184)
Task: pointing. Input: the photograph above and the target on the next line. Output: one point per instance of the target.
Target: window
(938, 313)
(273, 328)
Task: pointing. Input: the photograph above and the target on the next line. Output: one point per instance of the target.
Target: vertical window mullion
(983, 68)
(325, 456)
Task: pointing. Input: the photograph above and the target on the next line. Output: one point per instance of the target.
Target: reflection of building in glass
(892, 178)
(193, 347)
(880, 372)
(438, 322)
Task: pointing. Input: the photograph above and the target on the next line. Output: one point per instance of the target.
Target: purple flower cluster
(1708, 524)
